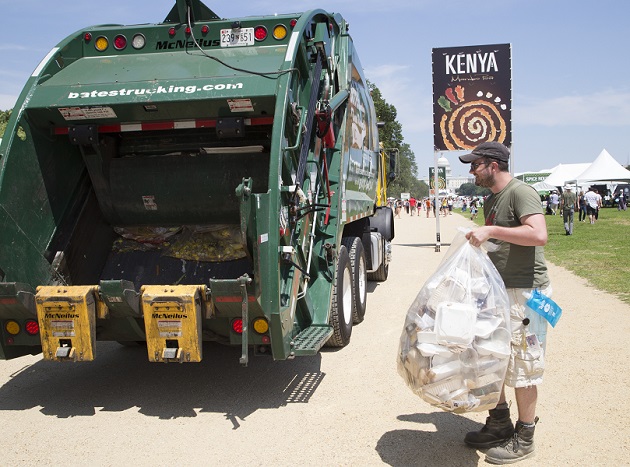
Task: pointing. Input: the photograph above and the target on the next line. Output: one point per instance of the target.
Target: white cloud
(604, 108)
(400, 89)
(7, 101)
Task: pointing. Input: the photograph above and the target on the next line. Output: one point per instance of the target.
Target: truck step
(311, 339)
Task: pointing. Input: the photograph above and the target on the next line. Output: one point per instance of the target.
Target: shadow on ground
(437, 440)
(122, 378)
(423, 245)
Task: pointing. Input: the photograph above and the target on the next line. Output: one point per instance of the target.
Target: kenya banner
(472, 96)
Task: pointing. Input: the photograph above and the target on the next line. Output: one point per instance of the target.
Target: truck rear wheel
(359, 277)
(380, 274)
(342, 302)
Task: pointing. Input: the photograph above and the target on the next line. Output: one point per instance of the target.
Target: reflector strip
(160, 126)
(359, 216)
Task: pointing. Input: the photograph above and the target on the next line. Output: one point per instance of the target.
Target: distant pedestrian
(621, 200)
(593, 201)
(412, 205)
(554, 200)
(473, 208)
(568, 201)
(581, 206)
(398, 209)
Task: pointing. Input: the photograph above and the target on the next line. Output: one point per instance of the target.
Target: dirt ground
(347, 407)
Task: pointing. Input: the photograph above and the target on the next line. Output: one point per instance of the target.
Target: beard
(484, 181)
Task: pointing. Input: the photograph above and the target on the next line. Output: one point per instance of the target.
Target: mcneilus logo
(169, 316)
(191, 89)
(60, 316)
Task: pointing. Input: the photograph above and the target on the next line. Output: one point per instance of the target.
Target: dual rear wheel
(349, 291)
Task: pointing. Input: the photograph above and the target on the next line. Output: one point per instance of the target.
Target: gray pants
(567, 217)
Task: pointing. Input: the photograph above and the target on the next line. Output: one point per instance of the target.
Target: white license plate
(243, 38)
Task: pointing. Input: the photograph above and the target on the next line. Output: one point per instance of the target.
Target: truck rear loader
(197, 180)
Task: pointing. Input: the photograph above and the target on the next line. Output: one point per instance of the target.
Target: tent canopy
(604, 169)
(564, 172)
(542, 186)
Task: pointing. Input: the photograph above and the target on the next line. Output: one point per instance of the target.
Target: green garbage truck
(197, 180)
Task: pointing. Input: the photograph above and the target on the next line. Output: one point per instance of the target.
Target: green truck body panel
(185, 136)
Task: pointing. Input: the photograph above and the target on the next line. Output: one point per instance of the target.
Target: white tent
(565, 172)
(542, 186)
(604, 169)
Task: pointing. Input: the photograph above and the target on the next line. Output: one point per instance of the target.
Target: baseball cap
(490, 149)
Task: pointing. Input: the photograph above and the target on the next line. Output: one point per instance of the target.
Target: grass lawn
(597, 252)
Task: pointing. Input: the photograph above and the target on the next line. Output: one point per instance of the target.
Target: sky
(570, 61)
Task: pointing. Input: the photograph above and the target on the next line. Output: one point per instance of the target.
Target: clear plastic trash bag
(455, 344)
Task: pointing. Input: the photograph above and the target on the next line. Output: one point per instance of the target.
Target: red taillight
(293, 23)
(205, 29)
(120, 42)
(31, 327)
(237, 326)
(172, 31)
(87, 37)
(260, 33)
(188, 30)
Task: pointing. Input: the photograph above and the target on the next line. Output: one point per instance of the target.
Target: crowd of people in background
(587, 204)
(412, 206)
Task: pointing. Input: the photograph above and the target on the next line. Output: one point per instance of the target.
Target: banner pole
(438, 204)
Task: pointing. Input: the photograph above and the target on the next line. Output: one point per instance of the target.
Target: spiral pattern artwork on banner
(441, 183)
(471, 122)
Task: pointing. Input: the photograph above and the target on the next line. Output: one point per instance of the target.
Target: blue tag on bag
(545, 307)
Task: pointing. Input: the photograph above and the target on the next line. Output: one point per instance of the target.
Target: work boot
(517, 448)
(497, 430)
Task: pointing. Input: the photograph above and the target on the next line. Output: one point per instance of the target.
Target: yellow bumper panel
(67, 317)
(172, 321)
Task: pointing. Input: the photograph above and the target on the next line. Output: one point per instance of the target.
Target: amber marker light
(101, 44)
(279, 32)
(260, 325)
(12, 327)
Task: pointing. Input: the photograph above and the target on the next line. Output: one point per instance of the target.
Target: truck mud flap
(67, 320)
(172, 321)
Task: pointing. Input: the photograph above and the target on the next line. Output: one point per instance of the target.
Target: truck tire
(342, 302)
(359, 276)
(380, 275)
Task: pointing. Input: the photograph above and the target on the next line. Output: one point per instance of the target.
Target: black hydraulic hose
(312, 103)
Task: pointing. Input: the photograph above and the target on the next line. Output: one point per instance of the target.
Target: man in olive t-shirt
(568, 202)
(515, 222)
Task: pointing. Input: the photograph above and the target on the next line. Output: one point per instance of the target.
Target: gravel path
(341, 408)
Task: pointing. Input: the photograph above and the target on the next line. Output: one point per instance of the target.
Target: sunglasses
(475, 165)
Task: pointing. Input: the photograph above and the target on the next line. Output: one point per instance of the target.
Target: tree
(470, 189)
(390, 135)
(4, 118)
